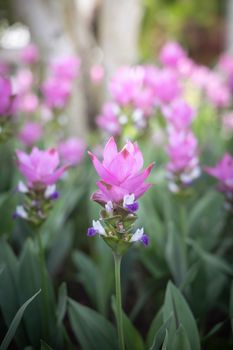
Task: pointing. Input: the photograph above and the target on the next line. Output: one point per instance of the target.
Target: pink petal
(141, 190)
(112, 192)
(51, 179)
(104, 174)
(110, 151)
(122, 165)
(133, 183)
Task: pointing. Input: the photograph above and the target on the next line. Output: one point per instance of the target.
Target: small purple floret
(91, 232)
(15, 216)
(132, 207)
(145, 240)
(55, 196)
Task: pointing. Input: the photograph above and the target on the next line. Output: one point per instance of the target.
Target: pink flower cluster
(71, 151)
(30, 54)
(57, 88)
(183, 165)
(40, 167)
(136, 92)
(223, 171)
(27, 100)
(120, 173)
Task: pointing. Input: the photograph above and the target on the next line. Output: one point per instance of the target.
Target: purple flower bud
(132, 207)
(145, 240)
(91, 232)
(55, 196)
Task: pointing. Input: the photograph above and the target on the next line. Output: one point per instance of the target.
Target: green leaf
(133, 339)
(180, 341)
(161, 337)
(91, 329)
(175, 302)
(154, 327)
(14, 324)
(213, 260)
(62, 303)
(44, 346)
(175, 256)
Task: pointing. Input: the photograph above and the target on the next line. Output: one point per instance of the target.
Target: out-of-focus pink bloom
(200, 76)
(183, 156)
(28, 103)
(97, 73)
(226, 63)
(171, 54)
(23, 81)
(108, 119)
(71, 151)
(223, 171)
(179, 114)
(66, 67)
(30, 54)
(5, 97)
(218, 93)
(166, 86)
(120, 173)
(185, 67)
(40, 167)
(56, 92)
(30, 133)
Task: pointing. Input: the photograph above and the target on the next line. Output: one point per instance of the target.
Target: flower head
(120, 173)
(30, 54)
(223, 171)
(171, 54)
(71, 151)
(30, 133)
(66, 67)
(40, 167)
(56, 92)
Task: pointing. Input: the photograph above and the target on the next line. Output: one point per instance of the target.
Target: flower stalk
(119, 314)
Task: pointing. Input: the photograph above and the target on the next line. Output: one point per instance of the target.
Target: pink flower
(56, 92)
(71, 151)
(66, 67)
(223, 171)
(120, 173)
(218, 92)
(166, 86)
(179, 114)
(40, 167)
(28, 103)
(30, 54)
(97, 73)
(183, 156)
(108, 119)
(30, 133)
(5, 97)
(171, 54)
(24, 81)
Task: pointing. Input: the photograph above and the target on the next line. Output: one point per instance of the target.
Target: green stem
(183, 221)
(43, 284)
(119, 316)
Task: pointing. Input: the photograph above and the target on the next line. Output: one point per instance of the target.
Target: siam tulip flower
(108, 119)
(56, 92)
(171, 54)
(30, 133)
(66, 67)
(166, 86)
(40, 167)
(223, 171)
(71, 151)
(120, 173)
(30, 54)
(24, 81)
(179, 114)
(97, 73)
(218, 92)
(27, 103)
(122, 182)
(183, 166)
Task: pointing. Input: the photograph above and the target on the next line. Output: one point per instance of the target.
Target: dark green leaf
(91, 329)
(14, 325)
(181, 341)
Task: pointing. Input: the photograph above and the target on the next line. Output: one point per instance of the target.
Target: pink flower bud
(71, 151)
(30, 133)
